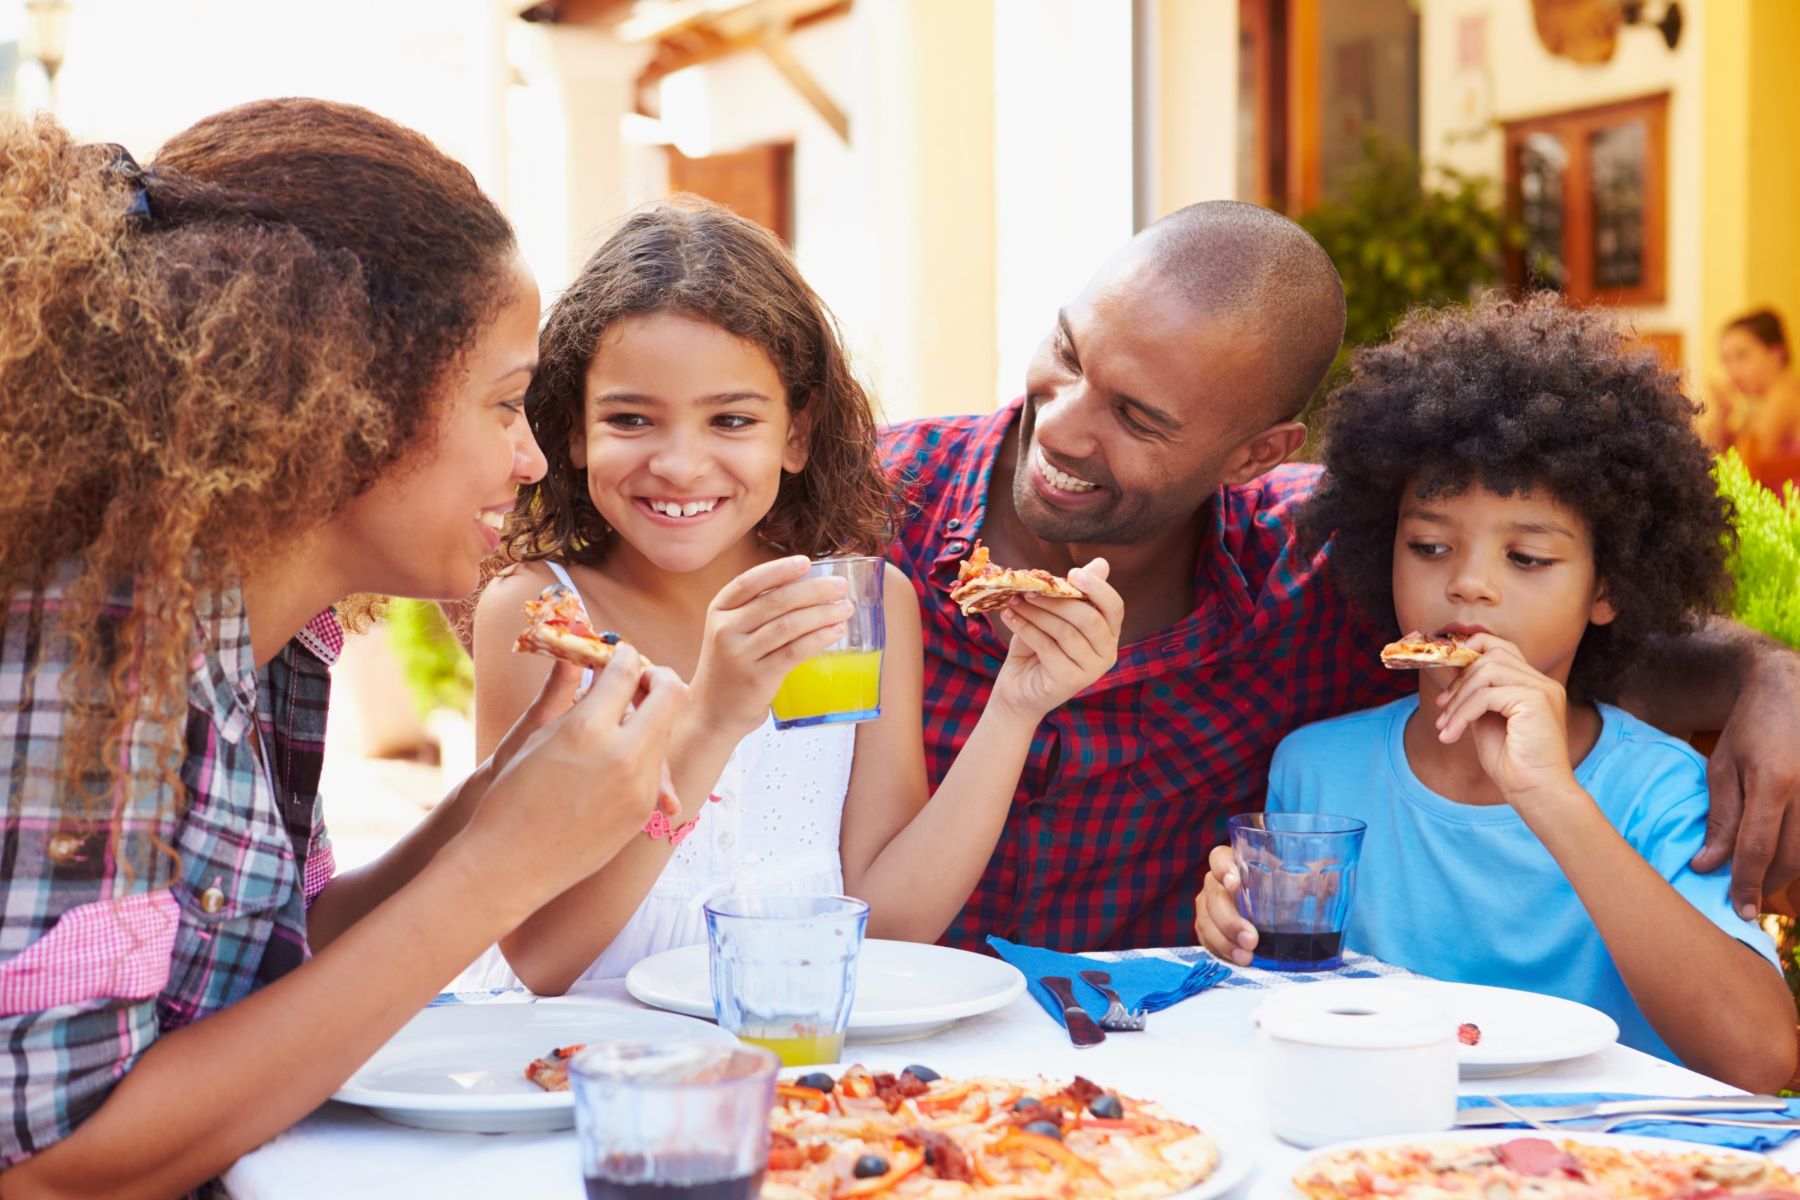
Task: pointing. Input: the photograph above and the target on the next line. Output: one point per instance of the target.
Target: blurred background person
(1756, 408)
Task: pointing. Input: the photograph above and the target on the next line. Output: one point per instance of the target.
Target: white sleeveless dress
(771, 828)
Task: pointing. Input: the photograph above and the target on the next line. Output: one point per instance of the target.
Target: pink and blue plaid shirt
(97, 960)
(1128, 785)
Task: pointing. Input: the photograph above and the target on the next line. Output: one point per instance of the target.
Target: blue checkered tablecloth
(1356, 966)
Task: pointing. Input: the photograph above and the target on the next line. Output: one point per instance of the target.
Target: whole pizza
(1532, 1168)
(918, 1135)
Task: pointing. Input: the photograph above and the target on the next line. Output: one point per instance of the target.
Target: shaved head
(1245, 266)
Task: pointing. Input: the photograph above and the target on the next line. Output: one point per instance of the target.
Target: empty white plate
(903, 989)
(462, 1066)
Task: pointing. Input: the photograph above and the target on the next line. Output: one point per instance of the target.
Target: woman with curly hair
(1512, 476)
(281, 367)
(706, 437)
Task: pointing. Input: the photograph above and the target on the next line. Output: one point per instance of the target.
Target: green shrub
(1400, 241)
(1766, 563)
(439, 674)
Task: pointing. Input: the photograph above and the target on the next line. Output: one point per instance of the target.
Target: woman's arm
(1721, 1007)
(915, 860)
(211, 1091)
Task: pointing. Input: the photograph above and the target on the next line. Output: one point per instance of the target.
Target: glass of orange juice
(844, 682)
(784, 970)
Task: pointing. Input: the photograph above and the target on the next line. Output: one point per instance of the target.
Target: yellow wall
(1752, 232)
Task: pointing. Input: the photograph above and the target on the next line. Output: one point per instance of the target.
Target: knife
(1489, 1115)
(1082, 1030)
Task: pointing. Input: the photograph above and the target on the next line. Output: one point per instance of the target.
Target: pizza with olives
(556, 624)
(916, 1135)
(983, 585)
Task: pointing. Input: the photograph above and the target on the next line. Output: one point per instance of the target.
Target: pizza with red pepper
(557, 625)
(982, 585)
(1540, 1169)
(916, 1135)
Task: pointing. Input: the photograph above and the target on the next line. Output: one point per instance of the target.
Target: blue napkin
(1760, 1140)
(1151, 984)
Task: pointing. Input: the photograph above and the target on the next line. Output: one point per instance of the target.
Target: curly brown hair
(198, 363)
(691, 257)
(1519, 395)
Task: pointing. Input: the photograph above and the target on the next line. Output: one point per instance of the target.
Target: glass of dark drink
(687, 1120)
(1298, 876)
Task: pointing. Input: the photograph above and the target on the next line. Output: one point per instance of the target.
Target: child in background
(1514, 474)
(706, 438)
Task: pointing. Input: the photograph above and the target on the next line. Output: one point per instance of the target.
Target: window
(1590, 188)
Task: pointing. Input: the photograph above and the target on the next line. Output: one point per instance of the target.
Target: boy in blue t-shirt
(1514, 474)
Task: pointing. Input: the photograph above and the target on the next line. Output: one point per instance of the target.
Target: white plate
(1520, 1031)
(462, 1066)
(1279, 1185)
(903, 989)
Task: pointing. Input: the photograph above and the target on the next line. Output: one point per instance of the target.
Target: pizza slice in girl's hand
(557, 625)
(981, 586)
(1415, 651)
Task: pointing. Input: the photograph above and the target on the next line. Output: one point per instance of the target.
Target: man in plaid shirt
(1156, 418)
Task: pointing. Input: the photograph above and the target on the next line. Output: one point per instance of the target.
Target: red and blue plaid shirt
(96, 958)
(1128, 785)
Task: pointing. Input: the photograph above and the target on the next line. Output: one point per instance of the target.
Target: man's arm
(1732, 679)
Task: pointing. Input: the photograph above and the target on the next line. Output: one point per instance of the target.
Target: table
(1194, 1057)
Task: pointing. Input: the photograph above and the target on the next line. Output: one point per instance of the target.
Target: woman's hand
(576, 778)
(1217, 923)
(759, 627)
(1518, 717)
(1058, 646)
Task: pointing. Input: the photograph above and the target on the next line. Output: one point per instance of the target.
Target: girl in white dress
(706, 438)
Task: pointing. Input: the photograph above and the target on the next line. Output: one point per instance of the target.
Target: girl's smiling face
(686, 431)
(1520, 567)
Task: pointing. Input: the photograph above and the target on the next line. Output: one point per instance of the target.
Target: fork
(1117, 1018)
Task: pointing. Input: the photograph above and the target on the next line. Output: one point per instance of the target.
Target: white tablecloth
(1195, 1058)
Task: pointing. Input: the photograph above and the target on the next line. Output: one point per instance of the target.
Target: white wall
(1525, 80)
(1062, 161)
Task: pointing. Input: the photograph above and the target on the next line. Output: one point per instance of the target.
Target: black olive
(1047, 1128)
(610, 638)
(1107, 1108)
(819, 1081)
(1025, 1102)
(922, 1074)
(869, 1166)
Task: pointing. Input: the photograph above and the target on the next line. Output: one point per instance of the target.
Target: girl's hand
(1518, 717)
(1059, 646)
(1217, 923)
(758, 628)
(576, 778)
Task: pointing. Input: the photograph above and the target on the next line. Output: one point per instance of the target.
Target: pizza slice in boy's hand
(557, 625)
(1416, 651)
(981, 586)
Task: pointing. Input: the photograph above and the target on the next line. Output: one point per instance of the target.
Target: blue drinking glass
(1298, 876)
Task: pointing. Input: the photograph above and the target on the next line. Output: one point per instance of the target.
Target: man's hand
(1754, 777)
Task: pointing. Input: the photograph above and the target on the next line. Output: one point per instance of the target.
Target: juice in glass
(843, 683)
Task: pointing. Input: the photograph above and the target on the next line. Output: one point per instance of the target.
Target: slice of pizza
(1416, 651)
(557, 625)
(981, 585)
(551, 1072)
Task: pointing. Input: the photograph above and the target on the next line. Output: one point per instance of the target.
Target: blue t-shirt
(1467, 892)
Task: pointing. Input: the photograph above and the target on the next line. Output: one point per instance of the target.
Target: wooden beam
(773, 43)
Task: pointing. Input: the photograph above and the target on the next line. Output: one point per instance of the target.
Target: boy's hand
(1058, 646)
(1518, 717)
(758, 628)
(1217, 922)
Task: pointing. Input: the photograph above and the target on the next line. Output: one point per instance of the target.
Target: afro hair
(1527, 395)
